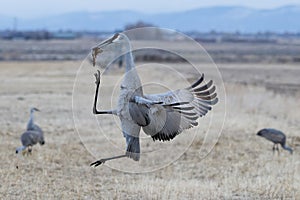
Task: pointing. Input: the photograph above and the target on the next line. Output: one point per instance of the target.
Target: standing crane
(162, 116)
(275, 136)
(32, 135)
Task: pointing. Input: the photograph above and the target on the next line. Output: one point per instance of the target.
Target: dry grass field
(240, 166)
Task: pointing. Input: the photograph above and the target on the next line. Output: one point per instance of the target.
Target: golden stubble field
(240, 166)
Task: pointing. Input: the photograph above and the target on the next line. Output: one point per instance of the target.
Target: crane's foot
(98, 162)
(97, 76)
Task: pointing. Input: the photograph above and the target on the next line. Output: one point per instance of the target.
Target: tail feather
(133, 147)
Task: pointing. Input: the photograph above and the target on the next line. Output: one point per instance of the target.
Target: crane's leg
(24, 152)
(275, 148)
(95, 111)
(102, 161)
(278, 149)
(29, 150)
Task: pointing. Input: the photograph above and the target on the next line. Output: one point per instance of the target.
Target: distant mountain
(230, 19)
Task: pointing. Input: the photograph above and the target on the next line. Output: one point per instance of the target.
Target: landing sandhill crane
(162, 116)
(275, 136)
(32, 135)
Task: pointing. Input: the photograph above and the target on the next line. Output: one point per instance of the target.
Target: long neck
(129, 61)
(288, 149)
(128, 56)
(30, 122)
(131, 79)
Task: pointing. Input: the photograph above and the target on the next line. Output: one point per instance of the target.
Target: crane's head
(117, 38)
(259, 133)
(34, 109)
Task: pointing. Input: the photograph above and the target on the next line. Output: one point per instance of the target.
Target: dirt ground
(240, 165)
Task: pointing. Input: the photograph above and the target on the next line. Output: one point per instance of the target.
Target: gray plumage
(31, 126)
(32, 135)
(162, 116)
(30, 138)
(275, 136)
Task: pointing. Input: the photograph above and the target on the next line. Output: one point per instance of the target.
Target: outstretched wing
(179, 110)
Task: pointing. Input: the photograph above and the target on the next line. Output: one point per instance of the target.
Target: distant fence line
(35, 35)
(213, 37)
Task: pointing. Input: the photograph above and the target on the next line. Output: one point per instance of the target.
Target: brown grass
(241, 166)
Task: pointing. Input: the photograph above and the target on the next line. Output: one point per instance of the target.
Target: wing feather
(179, 109)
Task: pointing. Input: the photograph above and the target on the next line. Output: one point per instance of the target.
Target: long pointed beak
(99, 48)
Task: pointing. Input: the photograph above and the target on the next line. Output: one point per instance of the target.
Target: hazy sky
(35, 8)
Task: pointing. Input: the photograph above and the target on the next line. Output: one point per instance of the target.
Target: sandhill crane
(162, 116)
(30, 138)
(275, 136)
(32, 135)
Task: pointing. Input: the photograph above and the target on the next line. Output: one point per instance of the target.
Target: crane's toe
(97, 163)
